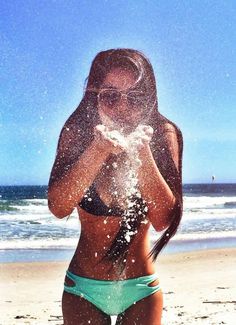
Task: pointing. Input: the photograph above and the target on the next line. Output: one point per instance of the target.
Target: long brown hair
(86, 117)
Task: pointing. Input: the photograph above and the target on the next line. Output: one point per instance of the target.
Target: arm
(65, 193)
(153, 186)
(73, 170)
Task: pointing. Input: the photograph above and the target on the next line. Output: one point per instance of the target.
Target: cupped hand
(108, 140)
(141, 136)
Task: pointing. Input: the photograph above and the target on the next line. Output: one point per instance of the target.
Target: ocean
(29, 232)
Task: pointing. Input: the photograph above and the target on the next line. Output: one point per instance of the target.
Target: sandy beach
(199, 288)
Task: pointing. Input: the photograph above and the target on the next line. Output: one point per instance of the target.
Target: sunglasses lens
(109, 97)
(135, 99)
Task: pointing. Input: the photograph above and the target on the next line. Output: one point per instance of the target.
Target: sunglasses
(112, 97)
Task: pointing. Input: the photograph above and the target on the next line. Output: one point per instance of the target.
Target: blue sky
(46, 51)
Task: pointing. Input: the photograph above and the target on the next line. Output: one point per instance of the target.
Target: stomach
(97, 235)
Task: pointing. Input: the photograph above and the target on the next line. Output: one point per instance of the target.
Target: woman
(119, 163)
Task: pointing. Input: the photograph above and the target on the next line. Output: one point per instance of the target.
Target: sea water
(29, 232)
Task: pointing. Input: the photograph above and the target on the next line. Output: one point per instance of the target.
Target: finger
(149, 134)
(148, 129)
(142, 128)
(100, 127)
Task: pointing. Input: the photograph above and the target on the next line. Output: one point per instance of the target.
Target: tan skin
(97, 233)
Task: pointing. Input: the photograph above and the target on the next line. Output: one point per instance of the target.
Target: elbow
(160, 226)
(57, 206)
(58, 211)
(161, 219)
(167, 216)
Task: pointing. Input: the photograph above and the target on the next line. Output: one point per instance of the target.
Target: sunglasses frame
(122, 93)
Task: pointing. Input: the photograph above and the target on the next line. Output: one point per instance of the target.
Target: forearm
(65, 193)
(154, 190)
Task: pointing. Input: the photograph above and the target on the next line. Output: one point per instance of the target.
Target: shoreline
(63, 254)
(198, 288)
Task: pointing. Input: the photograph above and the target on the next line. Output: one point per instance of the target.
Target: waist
(89, 263)
(101, 273)
(94, 281)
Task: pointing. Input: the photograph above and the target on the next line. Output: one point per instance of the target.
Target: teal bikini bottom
(112, 297)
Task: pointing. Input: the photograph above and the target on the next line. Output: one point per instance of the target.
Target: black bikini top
(93, 204)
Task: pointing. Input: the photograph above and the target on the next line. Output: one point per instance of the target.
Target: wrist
(146, 158)
(144, 151)
(100, 149)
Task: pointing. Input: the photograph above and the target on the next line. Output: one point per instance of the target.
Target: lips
(123, 120)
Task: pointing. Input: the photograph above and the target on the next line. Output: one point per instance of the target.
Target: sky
(46, 50)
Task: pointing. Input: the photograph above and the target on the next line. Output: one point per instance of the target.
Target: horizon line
(197, 183)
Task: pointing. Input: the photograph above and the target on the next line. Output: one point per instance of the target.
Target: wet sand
(199, 288)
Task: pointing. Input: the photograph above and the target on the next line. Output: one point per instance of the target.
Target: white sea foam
(208, 214)
(32, 215)
(195, 236)
(70, 243)
(195, 208)
(207, 201)
(45, 243)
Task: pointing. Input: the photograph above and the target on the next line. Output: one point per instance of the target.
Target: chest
(114, 183)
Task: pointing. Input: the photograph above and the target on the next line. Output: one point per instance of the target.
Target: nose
(123, 105)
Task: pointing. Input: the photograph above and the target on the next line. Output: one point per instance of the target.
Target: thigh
(78, 311)
(145, 311)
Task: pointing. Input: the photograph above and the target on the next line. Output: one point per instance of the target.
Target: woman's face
(119, 101)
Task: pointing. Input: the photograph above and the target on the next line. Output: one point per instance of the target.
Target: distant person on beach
(119, 162)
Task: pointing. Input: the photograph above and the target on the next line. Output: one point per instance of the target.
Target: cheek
(129, 116)
(106, 111)
(136, 115)
(106, 117)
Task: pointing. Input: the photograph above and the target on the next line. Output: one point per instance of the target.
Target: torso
(98, 232)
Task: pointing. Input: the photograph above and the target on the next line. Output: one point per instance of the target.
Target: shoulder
(70, 132)
(173, 134)
(170, 126)
(173, 138)
(71, 126)
(163, 126)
